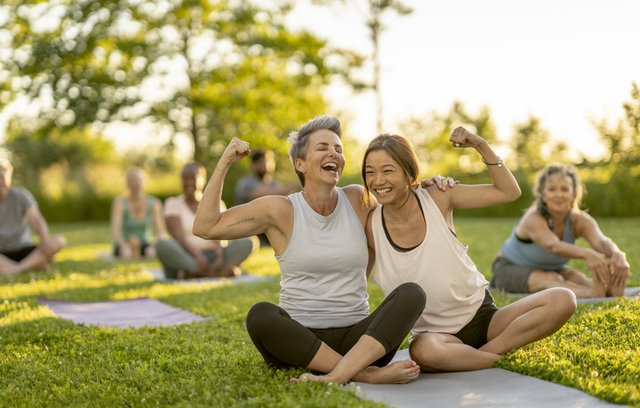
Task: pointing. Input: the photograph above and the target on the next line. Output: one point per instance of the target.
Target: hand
(598, 265)
(618, 268)
(48, 247)
(236, 150)
(443, 183)
(461, 137)
(202, 265)
(125, 251)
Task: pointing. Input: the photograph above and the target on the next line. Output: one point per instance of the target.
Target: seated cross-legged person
(18, 212)
(188, 256)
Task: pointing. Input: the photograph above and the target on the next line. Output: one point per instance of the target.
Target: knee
(257, 318)
(427, 354)
(60, 241)
(412, 294)
(162, 247)
(563, 301)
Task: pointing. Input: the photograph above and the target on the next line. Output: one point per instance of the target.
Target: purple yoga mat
(121, 313)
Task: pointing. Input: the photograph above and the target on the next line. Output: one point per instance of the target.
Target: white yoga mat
(492, 387)
(122, 313)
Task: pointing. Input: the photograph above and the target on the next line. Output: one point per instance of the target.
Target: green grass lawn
(46, 361)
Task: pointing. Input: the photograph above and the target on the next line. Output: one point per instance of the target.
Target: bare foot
(311, 377)
(10, 271)
(617, 290)
(399, 372)
(595, 291)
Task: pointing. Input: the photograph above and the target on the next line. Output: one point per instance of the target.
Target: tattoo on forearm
(243, 221)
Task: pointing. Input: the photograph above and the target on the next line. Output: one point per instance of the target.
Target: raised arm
(264, 215)
(504, 187)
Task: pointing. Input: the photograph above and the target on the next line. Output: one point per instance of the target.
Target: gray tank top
(323, 269)
(532, 255)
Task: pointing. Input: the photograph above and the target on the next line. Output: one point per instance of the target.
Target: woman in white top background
(413, 237)
(186, 255)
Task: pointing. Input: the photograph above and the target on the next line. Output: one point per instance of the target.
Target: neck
(401, 211)
(322, 200)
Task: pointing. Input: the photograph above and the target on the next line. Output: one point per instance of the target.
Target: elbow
(201, 230)
(514, 194)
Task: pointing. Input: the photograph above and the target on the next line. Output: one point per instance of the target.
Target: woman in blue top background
(535, 255)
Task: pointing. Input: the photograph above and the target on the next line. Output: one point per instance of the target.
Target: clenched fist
(461, 137)
(236, 150)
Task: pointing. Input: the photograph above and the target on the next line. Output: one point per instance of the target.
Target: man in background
(18, 212)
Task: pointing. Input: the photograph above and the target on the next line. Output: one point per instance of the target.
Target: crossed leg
(522, 322)
(283, 342)
(36, 259)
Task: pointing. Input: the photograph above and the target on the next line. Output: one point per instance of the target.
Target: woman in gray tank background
(535, 255)
(323, 321)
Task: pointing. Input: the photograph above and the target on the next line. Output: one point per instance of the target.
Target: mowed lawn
(47, 361)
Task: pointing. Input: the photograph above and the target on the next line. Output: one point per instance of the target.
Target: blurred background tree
(204, 70)
(373, 13)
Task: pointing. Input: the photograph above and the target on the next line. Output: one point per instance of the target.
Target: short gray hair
(300, 142)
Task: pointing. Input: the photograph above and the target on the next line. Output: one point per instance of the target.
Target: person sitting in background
(189, 256)
(535, 255)
(134, 217)
(18, 211)
(260, 182)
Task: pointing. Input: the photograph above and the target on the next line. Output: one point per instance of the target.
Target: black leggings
(283, 342)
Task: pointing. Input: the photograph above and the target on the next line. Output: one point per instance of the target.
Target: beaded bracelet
(499, 163)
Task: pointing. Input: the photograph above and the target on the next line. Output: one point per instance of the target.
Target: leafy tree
(73, 150)
(533, 147)
(623, 139)
(209, 70)
(430, 136)
(373, 14)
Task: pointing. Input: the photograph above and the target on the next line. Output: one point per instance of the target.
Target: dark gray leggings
(283, 342)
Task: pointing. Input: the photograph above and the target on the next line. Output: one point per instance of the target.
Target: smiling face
(324, 161)
(558, 193)
(193, 180)
(385, 178)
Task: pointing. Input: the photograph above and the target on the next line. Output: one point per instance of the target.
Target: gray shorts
(510, 277)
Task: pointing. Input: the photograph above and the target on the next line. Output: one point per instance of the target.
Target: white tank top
(323, 270)
(440, 265)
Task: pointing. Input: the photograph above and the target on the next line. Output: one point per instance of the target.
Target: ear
(300, 165)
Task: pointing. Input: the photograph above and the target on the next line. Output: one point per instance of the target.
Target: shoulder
(583, 222)
(356, 195)
(172, 203)
(23, 195)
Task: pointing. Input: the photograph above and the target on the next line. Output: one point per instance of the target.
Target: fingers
(457, 137)
(240, 146)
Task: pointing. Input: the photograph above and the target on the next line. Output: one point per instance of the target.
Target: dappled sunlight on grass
(21, 312)
(58, 283)
(83, 252)
(214, 363)
(160, 290)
